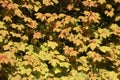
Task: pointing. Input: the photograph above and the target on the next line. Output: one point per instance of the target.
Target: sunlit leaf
(104, 49)
(53, 45)
(57, 70)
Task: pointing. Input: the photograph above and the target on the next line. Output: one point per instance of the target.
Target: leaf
(83, 68)
(37, 68)
(94, 43)
(117, 18)
(6, 47)
(104, 49)
(83, 60)
(36, 8)
(17, 77)
(70, 7)
(30, 47)
(54, 62)
(109, 13)
(32, 24)
(104, 33)
(114, 27)
(44, 56)
(83, 49)
(90, 3)
(93, 46)
(28, 71)
(40, 16)
(2, 26)
(81, 76)
(3, 59)
(37, 35)
(52, 44)
(61, 15)
(47, 2)
(55, 1)
(7, 19)
(64, 64)
(57, 70)
(91, 54)
(117, 1)
(18, 12)
(61, 57)
(21, 46)
(102, 1)
(1, 38)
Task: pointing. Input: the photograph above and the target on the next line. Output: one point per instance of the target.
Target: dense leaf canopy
(60, 39)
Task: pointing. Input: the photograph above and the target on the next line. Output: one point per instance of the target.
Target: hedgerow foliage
(60, 39)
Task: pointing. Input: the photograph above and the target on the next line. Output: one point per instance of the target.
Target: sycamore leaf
(2, 25)
(114, 27)
(57, 70)
(91, 54)
(83, 49)
(37, 35)
(81, 76)
(17, 77)
(21, 46)
(18, 12)
(1, 38)
(32, 24)
(54, 62)
(24, 37)
(55, 1)
(36, 8)
(90, 3)
(83, 68)
(40, 16)
(117, 18)
(37, 68)
(61, 57)
(104, 33)
(61, 15)
(104, 49)
(70, 7)
(52, 44)
(30, 47)
(44, 56)
(64, 64)
(3, 59)
(102, 1)
(7, 19)
(47, 2)
(93, 46)
(117, 1)
(6, 47)
(109, 13)
(28, 71)
(83, 60)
